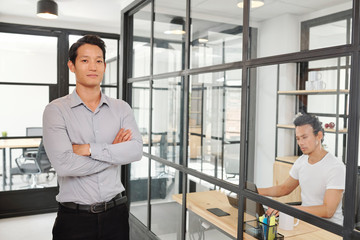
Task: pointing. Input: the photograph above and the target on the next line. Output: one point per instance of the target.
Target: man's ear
(71, 66)
(320, 135)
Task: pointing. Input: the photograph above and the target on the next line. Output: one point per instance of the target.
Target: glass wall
(221, 97)
(214, 124)
(24, 94)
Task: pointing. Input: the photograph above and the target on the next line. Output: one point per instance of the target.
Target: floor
(35, 227)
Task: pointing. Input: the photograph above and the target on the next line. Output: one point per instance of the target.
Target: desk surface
(20, 142)
(198, 202)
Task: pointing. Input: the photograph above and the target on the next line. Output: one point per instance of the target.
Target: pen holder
(257, 229)
(268, 232)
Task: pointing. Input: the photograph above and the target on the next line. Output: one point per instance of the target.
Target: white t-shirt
(315, 179)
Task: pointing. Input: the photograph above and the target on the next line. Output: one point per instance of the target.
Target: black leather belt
(96, 207)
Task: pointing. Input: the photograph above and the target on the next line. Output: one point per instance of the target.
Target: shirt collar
(76, 100)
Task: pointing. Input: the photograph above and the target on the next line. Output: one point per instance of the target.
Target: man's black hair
(313, 121)
(87, 39)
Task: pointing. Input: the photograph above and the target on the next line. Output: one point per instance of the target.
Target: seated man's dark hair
(87, 39)
(312, 120)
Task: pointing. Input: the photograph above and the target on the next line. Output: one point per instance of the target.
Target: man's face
(306, 138)
(89, 66)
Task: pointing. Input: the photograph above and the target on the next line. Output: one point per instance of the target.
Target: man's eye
(100, 61)
(84, 60)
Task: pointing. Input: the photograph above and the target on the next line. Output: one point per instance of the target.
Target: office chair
(33, 164)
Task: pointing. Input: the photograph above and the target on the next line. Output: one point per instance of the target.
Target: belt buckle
(94, 206)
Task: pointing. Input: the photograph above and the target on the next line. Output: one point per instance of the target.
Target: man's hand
(122, 136)
(271, 211)
(82, 150)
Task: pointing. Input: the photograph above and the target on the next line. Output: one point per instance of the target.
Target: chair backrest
(34, 131)
(42, 158)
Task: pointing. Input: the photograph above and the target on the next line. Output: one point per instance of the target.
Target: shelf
(289, 126)
(289, 159)
(314, 92)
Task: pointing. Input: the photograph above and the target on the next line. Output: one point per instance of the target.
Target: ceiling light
(203, 40)
(177, 25)
(175, 32)
(47, 9)
(253, 3)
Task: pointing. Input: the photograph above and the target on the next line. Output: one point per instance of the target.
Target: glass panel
(141, 43)
(291, 26)
(20, 50)
(110, 76)
(283, 227)
(283, 94)
(140, 106)
(203, 198)
(166, 117)
(166, 182)
(110, 92)
(216, 36)
(139, 172)
(214, 124)
(169, 36)
(29, 102)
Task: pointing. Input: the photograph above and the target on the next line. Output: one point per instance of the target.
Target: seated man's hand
(122, 136)
(271, 211)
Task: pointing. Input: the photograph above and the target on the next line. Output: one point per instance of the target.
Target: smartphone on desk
(218, 212)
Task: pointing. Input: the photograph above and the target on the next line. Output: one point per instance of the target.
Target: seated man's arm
(332, 199)
(281, 190)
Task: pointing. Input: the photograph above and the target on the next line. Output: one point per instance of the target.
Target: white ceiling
(105, 15)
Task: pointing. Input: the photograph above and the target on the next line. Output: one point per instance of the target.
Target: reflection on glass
(110, 76)
(214, 124)
(141, 42)
(139, 189)
(166, 182)
(22, 53)
(140, 106)
(204, 202)
(287, 27)
(216, 38)
(166, 107)
(169, 36)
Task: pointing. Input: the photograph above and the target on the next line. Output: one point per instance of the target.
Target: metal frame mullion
(150, 110)
(244, 120)
(185, 120)
(353, 131)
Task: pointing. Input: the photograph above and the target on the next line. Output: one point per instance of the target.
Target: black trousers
(112, 224)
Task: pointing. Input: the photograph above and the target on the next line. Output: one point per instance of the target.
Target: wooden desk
(15, 143)
(198, 202)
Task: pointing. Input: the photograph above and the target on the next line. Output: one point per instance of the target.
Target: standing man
(88, 136)
(320, 175)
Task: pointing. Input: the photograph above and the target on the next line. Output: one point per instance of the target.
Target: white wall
(275, 36)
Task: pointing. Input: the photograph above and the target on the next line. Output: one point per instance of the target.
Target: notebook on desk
(251, 207)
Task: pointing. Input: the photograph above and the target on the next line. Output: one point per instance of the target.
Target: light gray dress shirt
(82, 179)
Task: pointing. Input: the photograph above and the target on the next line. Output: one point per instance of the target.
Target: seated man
(320, 175)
